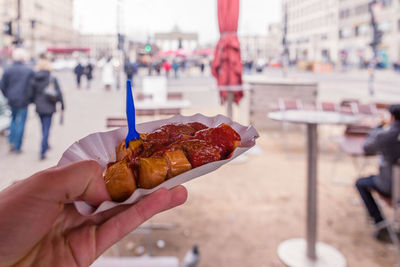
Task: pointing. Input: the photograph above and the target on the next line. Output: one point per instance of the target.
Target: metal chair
(286, 105)
(328, 106)
(349, 106)
(394, 202)
(350, 145)
(289, 104)
(366, 109)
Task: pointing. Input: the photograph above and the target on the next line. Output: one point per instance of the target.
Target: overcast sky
(144, 17)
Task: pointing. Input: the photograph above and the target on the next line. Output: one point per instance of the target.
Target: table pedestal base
(293, 253)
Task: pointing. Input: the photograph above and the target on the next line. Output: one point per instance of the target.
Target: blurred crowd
(23, 84)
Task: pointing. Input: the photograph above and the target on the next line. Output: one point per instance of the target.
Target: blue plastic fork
(130, 115)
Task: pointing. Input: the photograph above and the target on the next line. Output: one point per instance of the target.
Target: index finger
(125, 222)
(62, 184)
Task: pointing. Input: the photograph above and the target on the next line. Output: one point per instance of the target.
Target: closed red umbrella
(227, 64)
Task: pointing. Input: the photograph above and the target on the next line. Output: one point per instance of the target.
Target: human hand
(39, 225)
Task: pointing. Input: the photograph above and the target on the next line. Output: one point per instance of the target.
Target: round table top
(313, 117)
(169, 104)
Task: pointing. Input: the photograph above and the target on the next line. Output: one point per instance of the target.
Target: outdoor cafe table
(158, 105)
(309, 252)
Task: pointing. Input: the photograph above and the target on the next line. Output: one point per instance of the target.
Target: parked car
(64, 64)
(275, 63)
(261, 64)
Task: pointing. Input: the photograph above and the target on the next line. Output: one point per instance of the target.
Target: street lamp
(285, 53)
(120, 43)
(376, 40)
(18, 40)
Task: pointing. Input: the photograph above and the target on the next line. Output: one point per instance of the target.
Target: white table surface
(170, 104)
(313, 117)
(233, 88)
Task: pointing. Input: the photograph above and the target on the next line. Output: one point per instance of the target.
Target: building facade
(355, 31)
(101, 45)
(340, 31)
(176, 39)
(312, 33)
(268, 47)
(43, 23)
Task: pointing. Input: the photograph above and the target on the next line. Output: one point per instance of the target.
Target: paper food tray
(101, 147)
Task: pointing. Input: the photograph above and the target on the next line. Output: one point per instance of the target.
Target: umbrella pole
(229, 101)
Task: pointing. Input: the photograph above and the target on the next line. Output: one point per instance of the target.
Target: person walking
(175, 66)
(130, 69)
(108, 75)
(46, 95)
(167, 67)
(15, 85)
(79, 71)
(89, 74)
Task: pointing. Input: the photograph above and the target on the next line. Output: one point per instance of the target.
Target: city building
(355, 31)
(101, 45)
(42, 24)
(312, 29)
(176, 39)
(340, 31)
(267, 47)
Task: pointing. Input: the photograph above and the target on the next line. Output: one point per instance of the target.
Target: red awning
(59, 50)
(205, 52)
(176, 53)
(5, 51)
(227, 65)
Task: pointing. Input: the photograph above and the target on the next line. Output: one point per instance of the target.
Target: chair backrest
(170, 111)
(145, 112)
(142, 96)
(367, 109)
(116, 122)
(175, 96)
(328, 106)
(289, 104)
(349, 106)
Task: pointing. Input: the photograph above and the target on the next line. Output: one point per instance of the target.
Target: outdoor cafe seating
(152, 101)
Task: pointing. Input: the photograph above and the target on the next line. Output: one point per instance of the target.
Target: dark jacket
(89, 71)
(386, 143)
(15, 85)
(40, 81)
(79, 70)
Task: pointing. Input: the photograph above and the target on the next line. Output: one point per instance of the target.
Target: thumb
(82, 180)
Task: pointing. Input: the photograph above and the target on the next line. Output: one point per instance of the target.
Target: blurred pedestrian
(396, 66)
(150, 67)
(167, 67)
(46, 95)
(183, 65)
(15, 85)
(88, 70)
(158, 66)
(108, 74)
(175, 67)
(79, 71)
(202, 67)
(386, 143)
(130, 69)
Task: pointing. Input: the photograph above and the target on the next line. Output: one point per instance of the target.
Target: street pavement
(87, 110)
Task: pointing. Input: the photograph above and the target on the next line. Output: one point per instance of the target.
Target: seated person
(387, 144)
